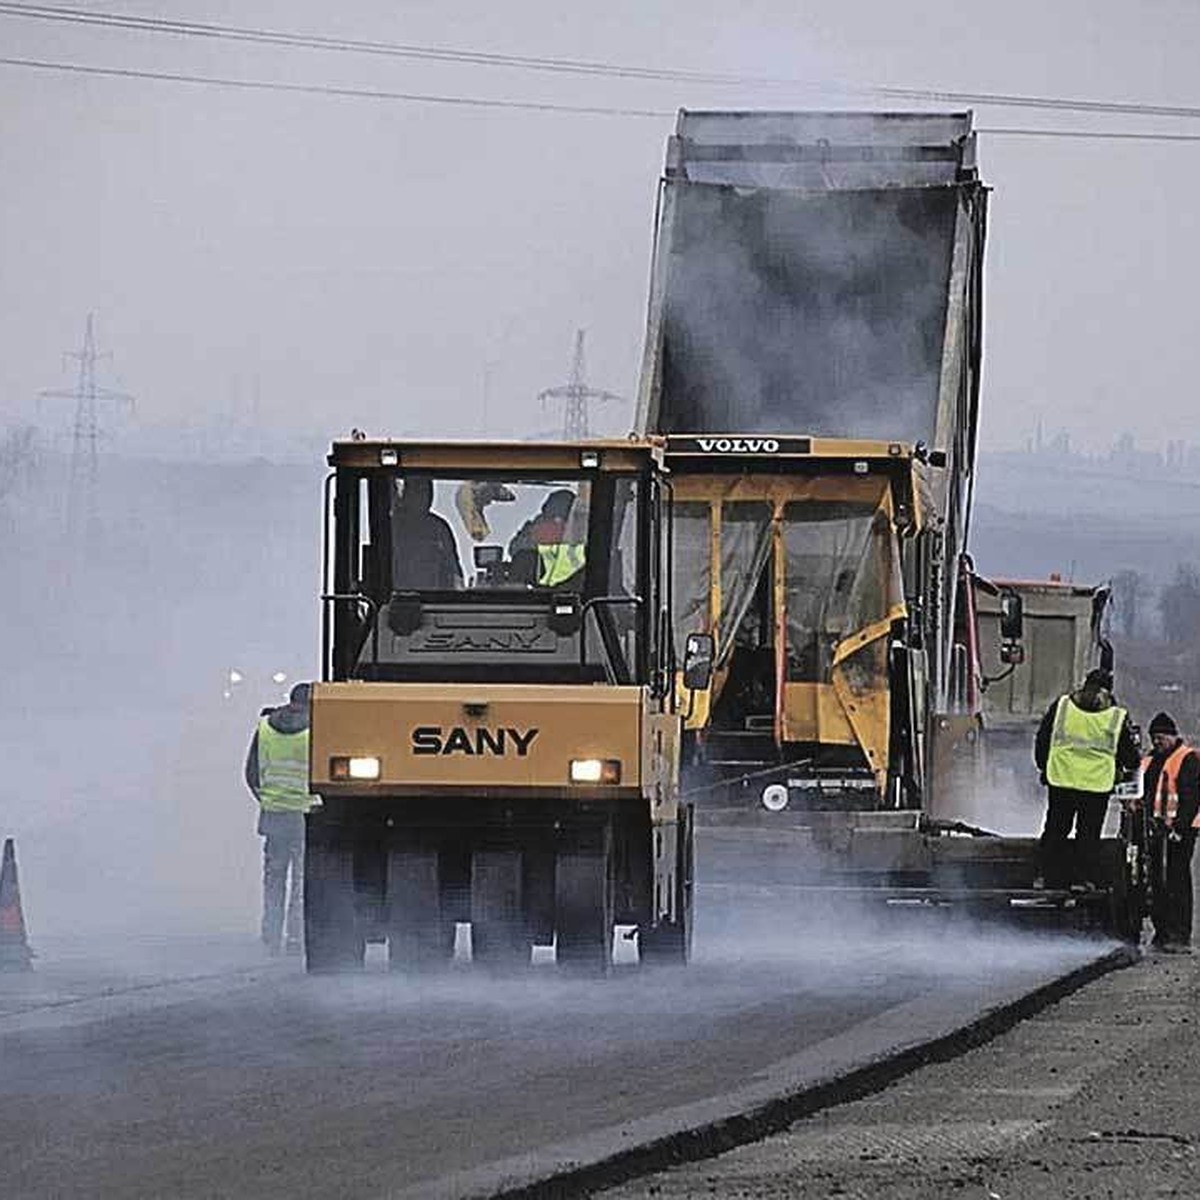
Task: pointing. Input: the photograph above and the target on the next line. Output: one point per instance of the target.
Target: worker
(277, 774)
(424, 552)
(548, 550)
(1171, 786)
(1083, 740)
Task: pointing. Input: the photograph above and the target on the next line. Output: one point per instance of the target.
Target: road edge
(774, 1115)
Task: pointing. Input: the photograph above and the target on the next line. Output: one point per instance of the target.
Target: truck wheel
(583, 906)
(332, 940)
(498, 935)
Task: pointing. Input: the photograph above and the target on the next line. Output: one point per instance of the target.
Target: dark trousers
(283, 857)
(1170, 875)
(1065, 808)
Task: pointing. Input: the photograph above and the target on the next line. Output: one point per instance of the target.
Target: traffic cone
(15, 954)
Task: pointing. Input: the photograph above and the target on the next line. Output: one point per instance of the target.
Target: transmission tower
(576, 395)
(84, 485)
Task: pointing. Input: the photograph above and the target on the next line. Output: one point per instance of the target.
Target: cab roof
(602, 454)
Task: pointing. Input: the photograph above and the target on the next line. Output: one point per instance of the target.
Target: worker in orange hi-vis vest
(1172, 790)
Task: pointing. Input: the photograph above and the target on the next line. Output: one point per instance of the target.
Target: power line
(1054, 103)
(274, 37)
(315, 89)
(1101, 134)
(459, 101)
(282, 38)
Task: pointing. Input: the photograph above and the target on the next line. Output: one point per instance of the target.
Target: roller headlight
(367, 767)
(595, 770)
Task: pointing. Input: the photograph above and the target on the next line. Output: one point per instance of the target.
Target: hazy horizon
(307, 263)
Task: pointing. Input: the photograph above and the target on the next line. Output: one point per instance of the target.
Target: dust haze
(269, 270)
(839, 335)
(123, 735)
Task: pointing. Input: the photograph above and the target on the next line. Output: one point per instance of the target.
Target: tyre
(332, 939)
(420, 935)
(583, 894)
(499, 938)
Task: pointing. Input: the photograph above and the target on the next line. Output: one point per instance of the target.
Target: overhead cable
(323, 89)
(274, 37)
(484, 102)
(1110, 135)
(447, 54)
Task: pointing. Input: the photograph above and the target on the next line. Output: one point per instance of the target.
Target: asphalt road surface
(1095, 1096)
(190, 1069)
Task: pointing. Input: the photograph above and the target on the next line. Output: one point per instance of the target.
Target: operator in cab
(424, 552)
(1083, 740)
(548, 550)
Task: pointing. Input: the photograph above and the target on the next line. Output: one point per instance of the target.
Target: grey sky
(355, 262)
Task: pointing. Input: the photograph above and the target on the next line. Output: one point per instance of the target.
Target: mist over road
(188, 1067)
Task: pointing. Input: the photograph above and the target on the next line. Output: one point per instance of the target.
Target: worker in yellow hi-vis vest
(277, 774)
(1084, 739)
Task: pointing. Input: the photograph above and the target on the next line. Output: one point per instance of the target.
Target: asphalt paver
(1097, 1096)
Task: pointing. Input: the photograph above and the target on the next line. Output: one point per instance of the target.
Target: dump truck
(1038, 638)
(812, 357)
(495, 739)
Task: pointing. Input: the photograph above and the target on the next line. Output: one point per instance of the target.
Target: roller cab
(495, 741)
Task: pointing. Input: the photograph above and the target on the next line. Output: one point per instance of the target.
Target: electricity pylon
(84, 485)
(576, 395)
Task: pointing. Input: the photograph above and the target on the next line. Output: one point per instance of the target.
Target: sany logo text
(434, 739)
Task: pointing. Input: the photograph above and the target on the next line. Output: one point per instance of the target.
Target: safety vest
(1083, 747)
(1166, 789)
(558, 561)
(282, 769)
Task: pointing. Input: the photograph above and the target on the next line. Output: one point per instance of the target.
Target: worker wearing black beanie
(1171, 787)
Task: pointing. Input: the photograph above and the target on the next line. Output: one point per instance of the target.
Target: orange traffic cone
(15, 954)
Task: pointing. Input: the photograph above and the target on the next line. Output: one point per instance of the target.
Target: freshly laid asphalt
(1096, 1096)
(199, 1070)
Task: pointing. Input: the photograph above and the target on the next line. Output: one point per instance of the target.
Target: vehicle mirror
(487, 556)
(1012, 653)
(698, 661)
(1012, 616)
